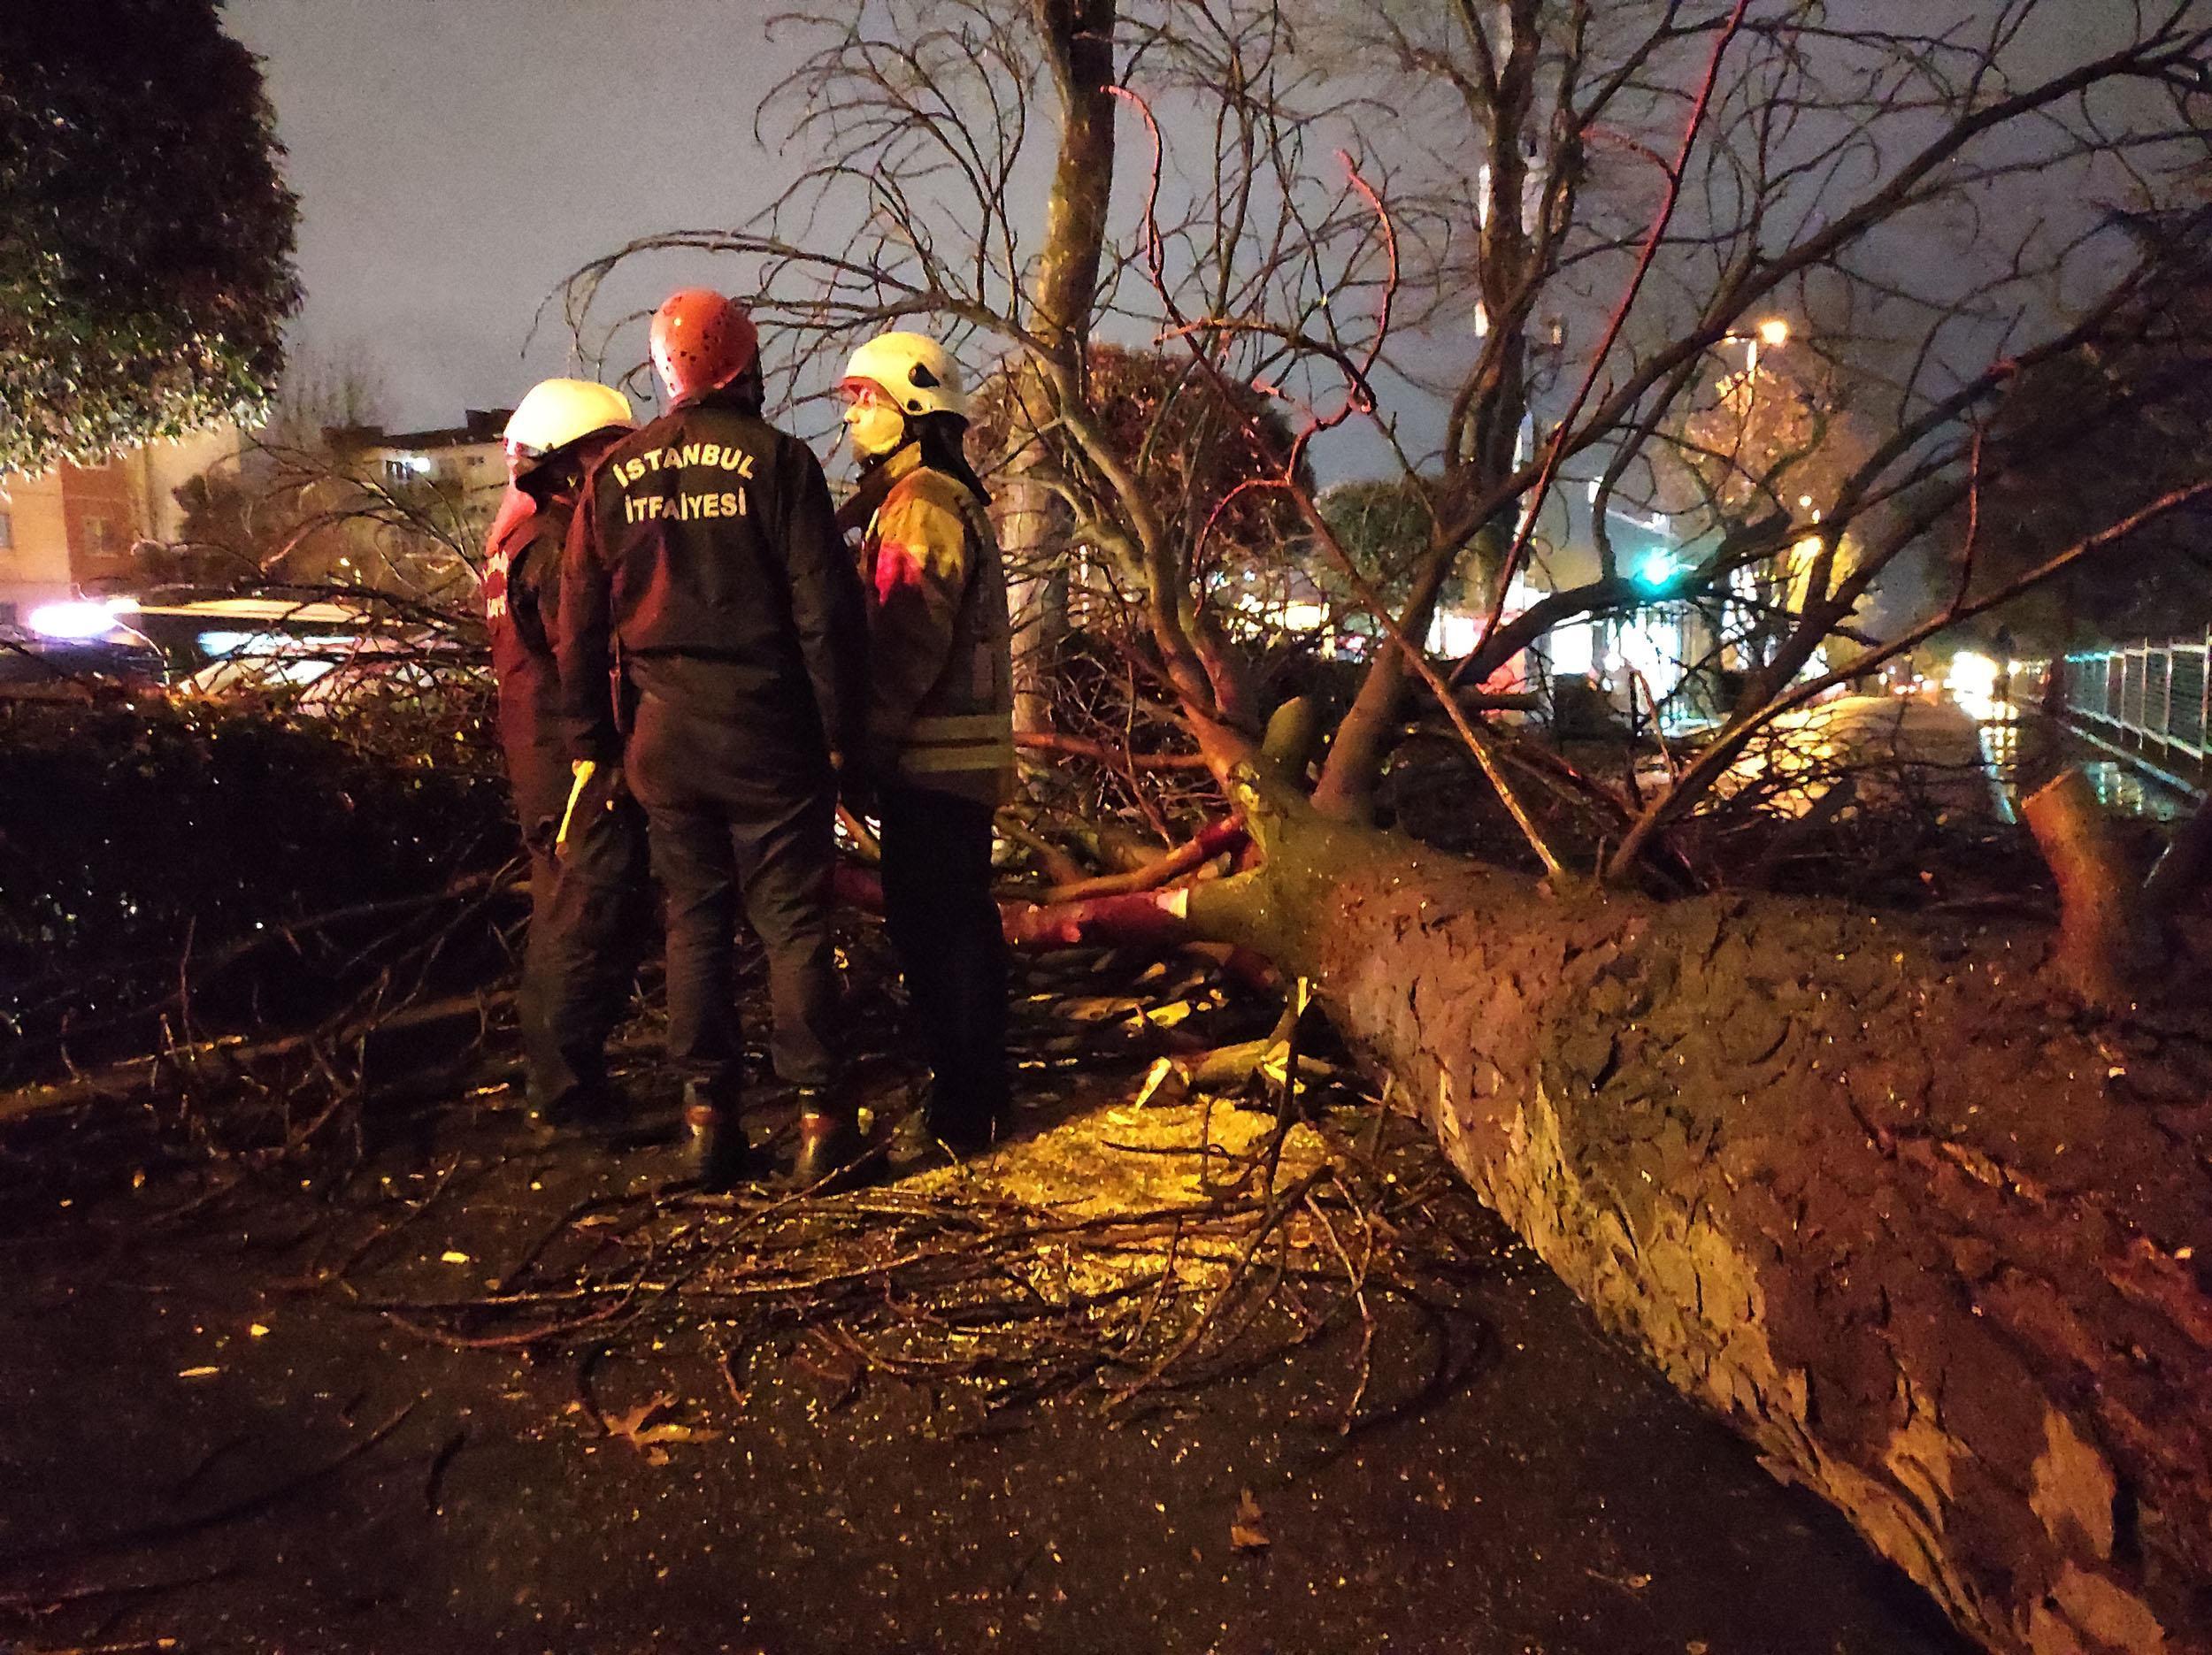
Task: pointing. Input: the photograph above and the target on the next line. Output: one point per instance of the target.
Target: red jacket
(522, 601)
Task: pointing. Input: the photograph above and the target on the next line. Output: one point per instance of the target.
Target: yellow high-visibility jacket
(941, 710)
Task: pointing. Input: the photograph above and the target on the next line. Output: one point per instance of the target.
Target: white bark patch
(2047, 1635)
(2117, 1619)
(2073, 1487)
(1920, 1454)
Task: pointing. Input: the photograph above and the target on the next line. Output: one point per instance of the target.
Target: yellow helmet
(913, 370)
(558, 412)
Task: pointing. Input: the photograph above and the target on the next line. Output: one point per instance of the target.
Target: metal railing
(2156, 692)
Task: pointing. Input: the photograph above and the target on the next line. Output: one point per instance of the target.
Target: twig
(35, 1600)
(230, 1511)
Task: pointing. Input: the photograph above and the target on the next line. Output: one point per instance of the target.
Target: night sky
(455, 160)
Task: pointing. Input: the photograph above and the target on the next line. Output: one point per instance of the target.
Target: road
(191, 1450)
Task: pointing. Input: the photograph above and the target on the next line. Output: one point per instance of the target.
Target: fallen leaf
(1164, 1081)
(1166, 1015)
(629, 1423)
(645, 1425)
(1247, 1532)
(451, 1257)
(197, 1373)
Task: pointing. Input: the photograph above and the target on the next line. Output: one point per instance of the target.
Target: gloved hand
(855, 786)
(598, 788)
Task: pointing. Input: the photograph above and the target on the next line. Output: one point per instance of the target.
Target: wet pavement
(199, 1444)
(2025, 748)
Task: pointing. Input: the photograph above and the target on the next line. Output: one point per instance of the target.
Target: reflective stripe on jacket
(941, 709)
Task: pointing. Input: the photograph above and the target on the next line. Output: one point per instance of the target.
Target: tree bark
(1077, 39)
(2100, 954)
(1858, 1184)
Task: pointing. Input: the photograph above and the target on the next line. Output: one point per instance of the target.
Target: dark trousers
(739, 799)
(768, 848)
(589, 926)
(944, 923)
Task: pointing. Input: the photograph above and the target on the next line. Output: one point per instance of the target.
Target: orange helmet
(701, 341)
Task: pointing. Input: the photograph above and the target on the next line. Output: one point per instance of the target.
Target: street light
(1774, 333)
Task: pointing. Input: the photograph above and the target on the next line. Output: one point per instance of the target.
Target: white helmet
(558, 412)
(913, 370)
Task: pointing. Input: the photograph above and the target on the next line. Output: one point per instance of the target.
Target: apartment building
(72, 529)
(465, 462)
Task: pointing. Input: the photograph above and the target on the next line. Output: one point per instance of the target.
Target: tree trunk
(1077, 38)
(1861, 1184)
(1032, 525)
(2100, 953)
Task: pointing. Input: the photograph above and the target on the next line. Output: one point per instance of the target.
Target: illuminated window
(1572, 648)
(99, 536)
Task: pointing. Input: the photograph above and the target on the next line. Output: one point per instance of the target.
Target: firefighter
(706, 554)
(581, 947)
(939, 735)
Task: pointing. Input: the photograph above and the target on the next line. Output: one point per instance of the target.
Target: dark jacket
(705, 552)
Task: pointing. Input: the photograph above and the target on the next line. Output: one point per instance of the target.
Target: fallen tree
(1890, 1191)
(1869, 1185)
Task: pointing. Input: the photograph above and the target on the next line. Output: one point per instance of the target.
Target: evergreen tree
(146, 234)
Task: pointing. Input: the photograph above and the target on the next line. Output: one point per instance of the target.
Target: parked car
(77, 648)
(306, 652)
(323, 676)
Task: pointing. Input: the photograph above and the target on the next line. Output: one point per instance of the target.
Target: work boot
(960, 1121)
(715, 1151)
(830, 1144)
(594, 1109)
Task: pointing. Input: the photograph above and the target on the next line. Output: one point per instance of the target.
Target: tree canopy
(1195, 458)
(2087, 436)
(146, 232)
